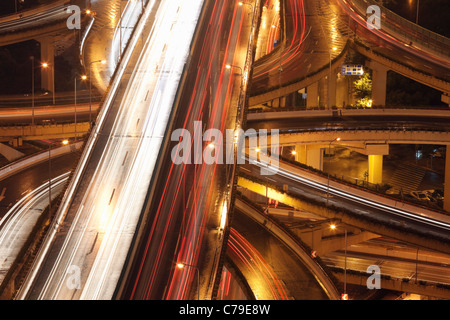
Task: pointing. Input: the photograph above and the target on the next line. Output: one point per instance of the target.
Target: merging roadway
(427, 224)
(189, 200)
(98, 216)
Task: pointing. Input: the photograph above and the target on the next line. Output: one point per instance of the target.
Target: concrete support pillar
(312, 96)
(282, 102)
(375, 168)
(314, 158)
(275, 103)
(292, 99)
(310, 155)
(445, 98)
(332, 85)
(447, 180)
(343, 92)
(323, 92)
(47, 56)
(379, 80)
(300, 153)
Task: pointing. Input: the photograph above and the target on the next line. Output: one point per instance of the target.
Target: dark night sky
(433, 14)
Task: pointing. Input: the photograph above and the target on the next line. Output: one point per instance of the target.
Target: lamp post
(64, 142)
(90, 88)
(241, 3)
(229, 66)
(181, 265)
(45, 65)
(329, 80)
(82, 77)
(32, 90)
(333, 227)
(328, 169)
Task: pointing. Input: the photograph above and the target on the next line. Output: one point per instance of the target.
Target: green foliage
(363, 90)
(363, 86)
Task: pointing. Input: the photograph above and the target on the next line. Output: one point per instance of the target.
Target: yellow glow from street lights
(338, 139)
(228, 66)
(44, 65)
(65, 142)
(83, 77)
(294, 152)
(333, 226)
(180, 265)
(103, 61)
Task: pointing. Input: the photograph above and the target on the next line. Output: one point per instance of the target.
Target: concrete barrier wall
(44, 131)
(5, 21)
(266, 115)
(384, 200)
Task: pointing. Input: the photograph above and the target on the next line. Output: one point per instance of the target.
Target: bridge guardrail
(405, 29)
(316, 266)
(26, 162)
(21, 16)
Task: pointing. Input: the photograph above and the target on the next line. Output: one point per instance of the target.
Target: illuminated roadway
(106, 196)
(93, 238)
(190, 200)
(430, 223)
(395, 260)
(313, 28)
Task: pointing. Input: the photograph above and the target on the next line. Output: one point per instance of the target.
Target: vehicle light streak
(20, 219)
(257, 267)
(383, 34)
(104, 223)
(323, 187)
(293, 50)
(195, 233)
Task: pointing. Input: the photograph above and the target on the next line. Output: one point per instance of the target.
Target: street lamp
(64, 142)
(82, 77)
(229, 66)
(328, 169)
(334, 227)
(329, 79)
(45, 65)
(181, 265)
(241, 3)
(32, 90)
(90, 87)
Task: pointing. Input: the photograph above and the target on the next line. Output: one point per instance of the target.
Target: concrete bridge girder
(310, 82)
(312, 155)
(48, 56)
(355, 221)
(427, 290)
(381, 65)
(375, 147)
(46, 35)
(60, 131)
(327, 88)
